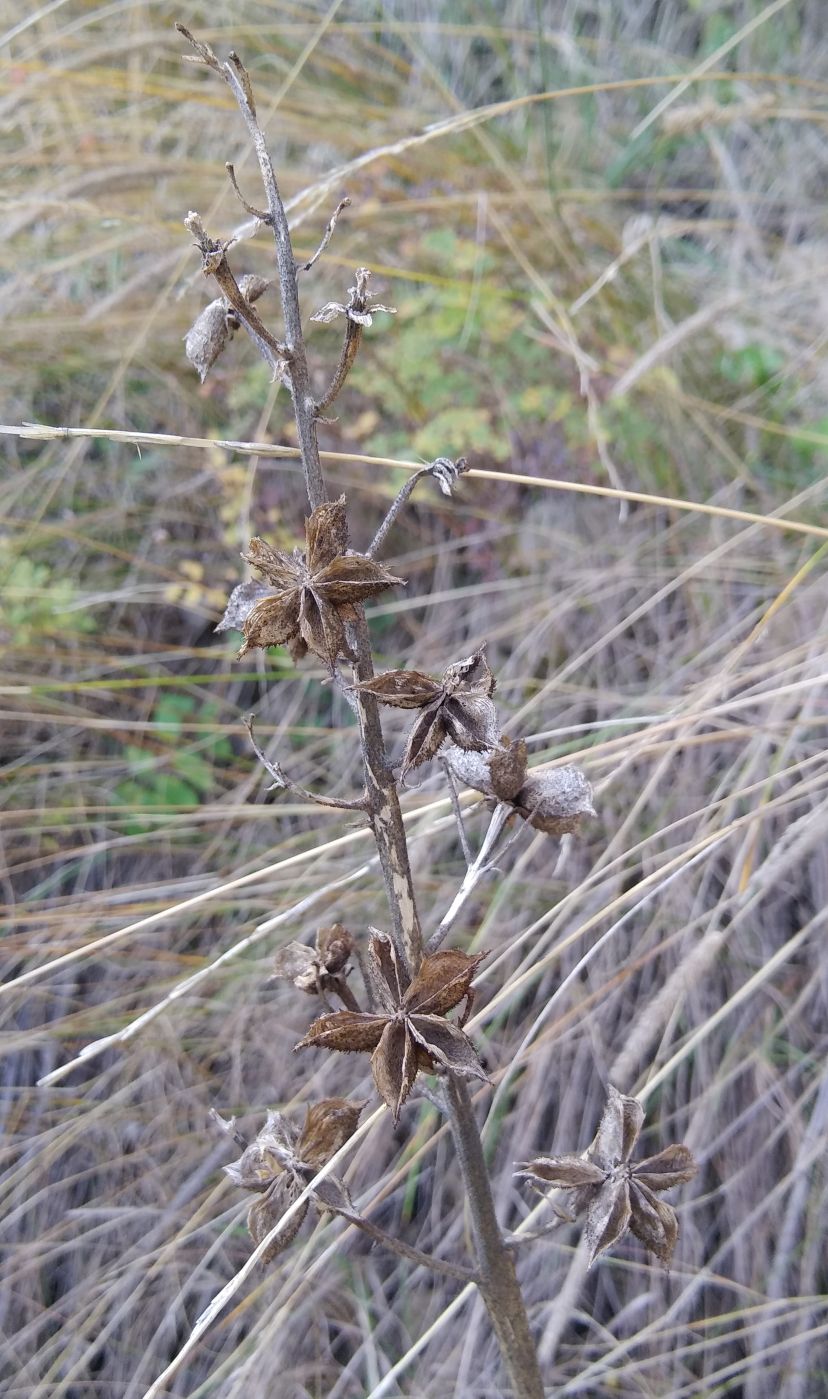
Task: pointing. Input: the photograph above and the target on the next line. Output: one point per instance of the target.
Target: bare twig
(414, 1255)
(254, 213)
(478, 868)
(326, 236)
(280, 781)
(235, 75)
(444, 471)
(458, 813)
(497, 1278)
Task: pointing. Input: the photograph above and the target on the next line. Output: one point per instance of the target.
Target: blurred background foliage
(603, 227)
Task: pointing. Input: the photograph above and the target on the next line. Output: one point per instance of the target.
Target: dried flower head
(310, 596)
(408, 1031)
(359, 309)
(457, 708)
(318, 969)
(281, 1161)
(615, 1193)
(555, 801)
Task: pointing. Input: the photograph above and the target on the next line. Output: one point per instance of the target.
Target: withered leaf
(408, 1032)
(615, 1193)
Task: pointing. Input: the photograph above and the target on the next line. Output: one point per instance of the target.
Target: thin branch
(326, 236)
(235, 75)
(358, 312)
(497, 1281)
(413, 1255)
(215, 264)
(347, 355)
(281, 782)
(458, 813)
(255, 213)
(478, 869)
(445, 472)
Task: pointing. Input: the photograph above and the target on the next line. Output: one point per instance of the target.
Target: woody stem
(497, 1279)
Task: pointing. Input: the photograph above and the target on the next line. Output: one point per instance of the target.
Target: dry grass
(539, 257)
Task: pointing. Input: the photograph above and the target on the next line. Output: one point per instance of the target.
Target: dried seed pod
(615, 1193)
(408, 1032)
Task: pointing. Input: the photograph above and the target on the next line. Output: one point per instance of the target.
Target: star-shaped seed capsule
(408, 1031)
(457, 708)
(617, 1194)
(309, 597)
(282, 1160)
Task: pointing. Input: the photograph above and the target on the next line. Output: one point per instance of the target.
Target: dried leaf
(329, 312)
(425, 739)
(281, 570)
(562, 1172)
(442, 982)
(618, 1129)
(326, 534)
(271, 621)
(446, 1046)
(352, 578)
(386, 971)
(673, 1166)
(394, 1065)
(607, 1217)
(653, 1222)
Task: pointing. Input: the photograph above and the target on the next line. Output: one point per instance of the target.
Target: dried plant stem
(347, 355)
(383, 805)
(477, 870)
(497, 1279)
(403, 1250)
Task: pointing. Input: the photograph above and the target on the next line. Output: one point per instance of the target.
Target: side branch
(215, 264)
(445, 472)
(413, 1255)
(281, 782)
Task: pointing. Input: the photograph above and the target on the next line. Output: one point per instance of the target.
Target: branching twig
(326, 236)
(215, 264)
(254, 213)
(280, 781)
(445, 472)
